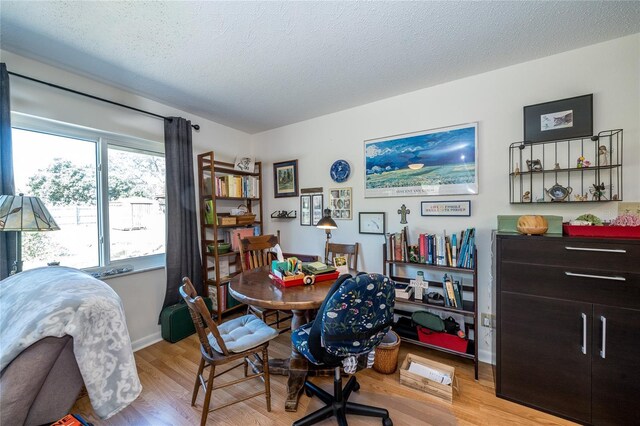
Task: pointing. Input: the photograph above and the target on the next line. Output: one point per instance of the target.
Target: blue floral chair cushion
(353, 319)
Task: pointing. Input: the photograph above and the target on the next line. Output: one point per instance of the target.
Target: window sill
(125, 274)
(128, 267)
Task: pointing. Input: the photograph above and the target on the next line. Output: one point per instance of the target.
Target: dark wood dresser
(568, 326)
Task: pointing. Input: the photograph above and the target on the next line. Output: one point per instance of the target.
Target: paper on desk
(430, 373)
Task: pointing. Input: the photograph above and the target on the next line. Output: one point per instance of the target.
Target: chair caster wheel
(387, 422)
(356, 388)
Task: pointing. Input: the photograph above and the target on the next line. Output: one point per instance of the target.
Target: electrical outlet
(488, 320)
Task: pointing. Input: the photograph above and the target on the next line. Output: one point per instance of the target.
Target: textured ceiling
(256, 66)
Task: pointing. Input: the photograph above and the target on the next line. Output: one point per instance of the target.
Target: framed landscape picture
(432, 162)
(285, 179)
(564, 119)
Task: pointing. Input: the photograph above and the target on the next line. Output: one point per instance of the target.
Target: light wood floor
(167, 372)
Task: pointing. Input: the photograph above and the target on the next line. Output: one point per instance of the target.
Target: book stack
(452, 292)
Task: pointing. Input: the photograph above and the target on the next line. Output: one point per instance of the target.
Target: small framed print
(563, 119)
(340, 203)
(372, 223)
(305, 210)
(340, 262)
(445, 208)
(317, 201)
(285, 179)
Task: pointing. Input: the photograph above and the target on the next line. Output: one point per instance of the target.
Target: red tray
(444, 340)
(601, 231)
(292, 281)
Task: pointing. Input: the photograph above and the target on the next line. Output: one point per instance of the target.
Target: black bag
(451, 326)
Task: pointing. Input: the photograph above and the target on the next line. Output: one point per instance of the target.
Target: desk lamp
(19, 213)
(327, 224)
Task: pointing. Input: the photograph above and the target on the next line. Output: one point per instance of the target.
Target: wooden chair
(217, 348)
(332, 250)
(255, 252)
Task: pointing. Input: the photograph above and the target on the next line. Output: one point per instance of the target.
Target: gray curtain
(182, 251)
(7, 239)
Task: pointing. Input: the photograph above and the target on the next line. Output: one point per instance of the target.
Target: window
(105, 191)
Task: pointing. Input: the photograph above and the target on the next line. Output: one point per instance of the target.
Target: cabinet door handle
(603, 319)
(584, 333)
(601, 277)
(596, 249)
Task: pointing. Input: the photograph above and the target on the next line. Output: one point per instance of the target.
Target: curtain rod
(195, 126)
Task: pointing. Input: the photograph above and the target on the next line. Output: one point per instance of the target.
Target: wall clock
(372, 223)
(340, 171)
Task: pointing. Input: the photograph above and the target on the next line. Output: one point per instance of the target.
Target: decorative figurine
(557, 166)
(558, 192)
(526, 197)
(534, 165)
(403, 211)
(614, 197)
(516, 171)
(580, 162)
(579, 197)
(603, 156)
(597, 192)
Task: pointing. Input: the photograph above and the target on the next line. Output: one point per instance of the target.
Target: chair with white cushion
(237, 339)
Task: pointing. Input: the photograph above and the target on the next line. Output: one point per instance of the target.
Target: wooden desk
(256, 288)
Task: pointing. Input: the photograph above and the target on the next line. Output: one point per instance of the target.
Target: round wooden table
(256, 288)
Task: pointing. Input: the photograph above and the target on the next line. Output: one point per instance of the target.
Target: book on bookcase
(456, 250)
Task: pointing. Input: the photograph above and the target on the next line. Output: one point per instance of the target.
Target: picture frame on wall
(372, 223)
(340, 203)
(317, 204)
(439, 161)
(285, 179)
(305, 210)
(562, 119)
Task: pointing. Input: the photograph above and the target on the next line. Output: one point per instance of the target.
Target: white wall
(142, 293)
(610, 71)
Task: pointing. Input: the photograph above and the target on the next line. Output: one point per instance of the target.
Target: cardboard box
(415, 381)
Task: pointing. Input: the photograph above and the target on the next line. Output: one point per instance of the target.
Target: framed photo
(317, 202)
(285, 179)
(432, 162)
(564, 119)
(340, 203)
(445, 208)
(372, 223)
(305, 210)
(340, 262)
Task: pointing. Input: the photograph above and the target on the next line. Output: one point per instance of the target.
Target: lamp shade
(21, 213)
(326, 222)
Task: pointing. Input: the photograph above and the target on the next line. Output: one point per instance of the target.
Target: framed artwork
(285, 179)
(564, 119)
(317, 202)
(244, 164)
(340, 203)
(305, 210)
(445, 208)
(432, 162)
(372, 223)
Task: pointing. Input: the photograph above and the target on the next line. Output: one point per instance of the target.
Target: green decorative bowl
(222, 248)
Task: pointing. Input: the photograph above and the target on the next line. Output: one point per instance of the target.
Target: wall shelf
(567, 171)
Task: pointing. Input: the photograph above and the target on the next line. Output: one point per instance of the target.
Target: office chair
(351, 322)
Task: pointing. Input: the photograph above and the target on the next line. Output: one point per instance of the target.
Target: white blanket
(55, 301)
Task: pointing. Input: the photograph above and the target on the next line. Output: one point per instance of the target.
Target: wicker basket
(386, 360)
(246, 219)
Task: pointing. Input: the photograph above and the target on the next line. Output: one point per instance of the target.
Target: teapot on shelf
(558, 192)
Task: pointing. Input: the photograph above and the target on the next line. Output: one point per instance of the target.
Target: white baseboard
(146, 341)
(485, 356)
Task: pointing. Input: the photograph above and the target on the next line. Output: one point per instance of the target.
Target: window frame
(102, 140)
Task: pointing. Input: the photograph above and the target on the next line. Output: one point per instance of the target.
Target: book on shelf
(433, 249)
